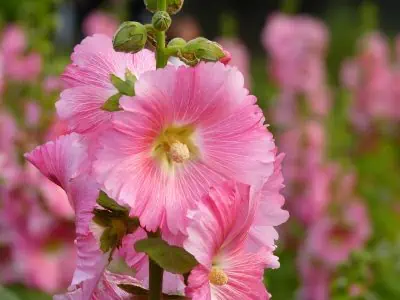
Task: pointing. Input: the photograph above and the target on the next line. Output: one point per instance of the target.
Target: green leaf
(112, 103)
(171, 258)
(110, 204)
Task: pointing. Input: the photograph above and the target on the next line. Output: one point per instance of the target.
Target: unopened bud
(177, 42)
(161, 21)
(201, 49)
(130, 37)
(173, 6)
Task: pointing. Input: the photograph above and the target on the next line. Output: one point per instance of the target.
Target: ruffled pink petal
(61, 160)
(81, 108)
(95, 59)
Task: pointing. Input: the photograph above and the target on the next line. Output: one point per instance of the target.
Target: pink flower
(94, 61)
(185, 130)
(24, 68)
(240, 57)
(32, 113)
(52, 84)
(13, 41)
(315, 278)
(65, 162)
(100, 22)
(296, 46)
(332, 239)
(216, 238)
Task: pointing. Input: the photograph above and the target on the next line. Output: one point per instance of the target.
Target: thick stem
(160, 37)
(156, 276)
(156, 280)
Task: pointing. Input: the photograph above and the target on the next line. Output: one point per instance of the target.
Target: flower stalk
(160, 38)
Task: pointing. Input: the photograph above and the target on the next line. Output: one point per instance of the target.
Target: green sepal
(115, 220)
(106, 202)
(126, 87)
(112, 103)
(173, 259)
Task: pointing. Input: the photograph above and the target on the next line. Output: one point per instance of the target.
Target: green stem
(156, 280)
(156, 276)
(160, 38)
(290, 6)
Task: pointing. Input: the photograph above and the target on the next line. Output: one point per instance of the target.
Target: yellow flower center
(175, 145)
(217, 276)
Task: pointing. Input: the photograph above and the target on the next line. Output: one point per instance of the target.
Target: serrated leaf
(112, 103)
(171, 258)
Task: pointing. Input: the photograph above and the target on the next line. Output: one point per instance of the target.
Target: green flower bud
(201, 49)
(161, 21)
(173, 6)
(177, 42)
(130, 37)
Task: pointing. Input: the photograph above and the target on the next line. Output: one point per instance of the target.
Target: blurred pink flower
(32, 114)
(24, 68)
(13, 41)
(216, 238)
(185, 130)
(297, 47)
(372, 82)
(333, 238)
(315, 278)
(89, 81)
(240, 57)
(52, 84)
(100, 22)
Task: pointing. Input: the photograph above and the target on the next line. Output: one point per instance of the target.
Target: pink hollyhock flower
(185, 130)
(106, 289)
(52, 84)
(24, 68)
(13, 41)
(8, 132)
(216, 238)
(297, 46)
(332, 239)
(240, 57)
(100, 22)
(94, 61)
(315, 278)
